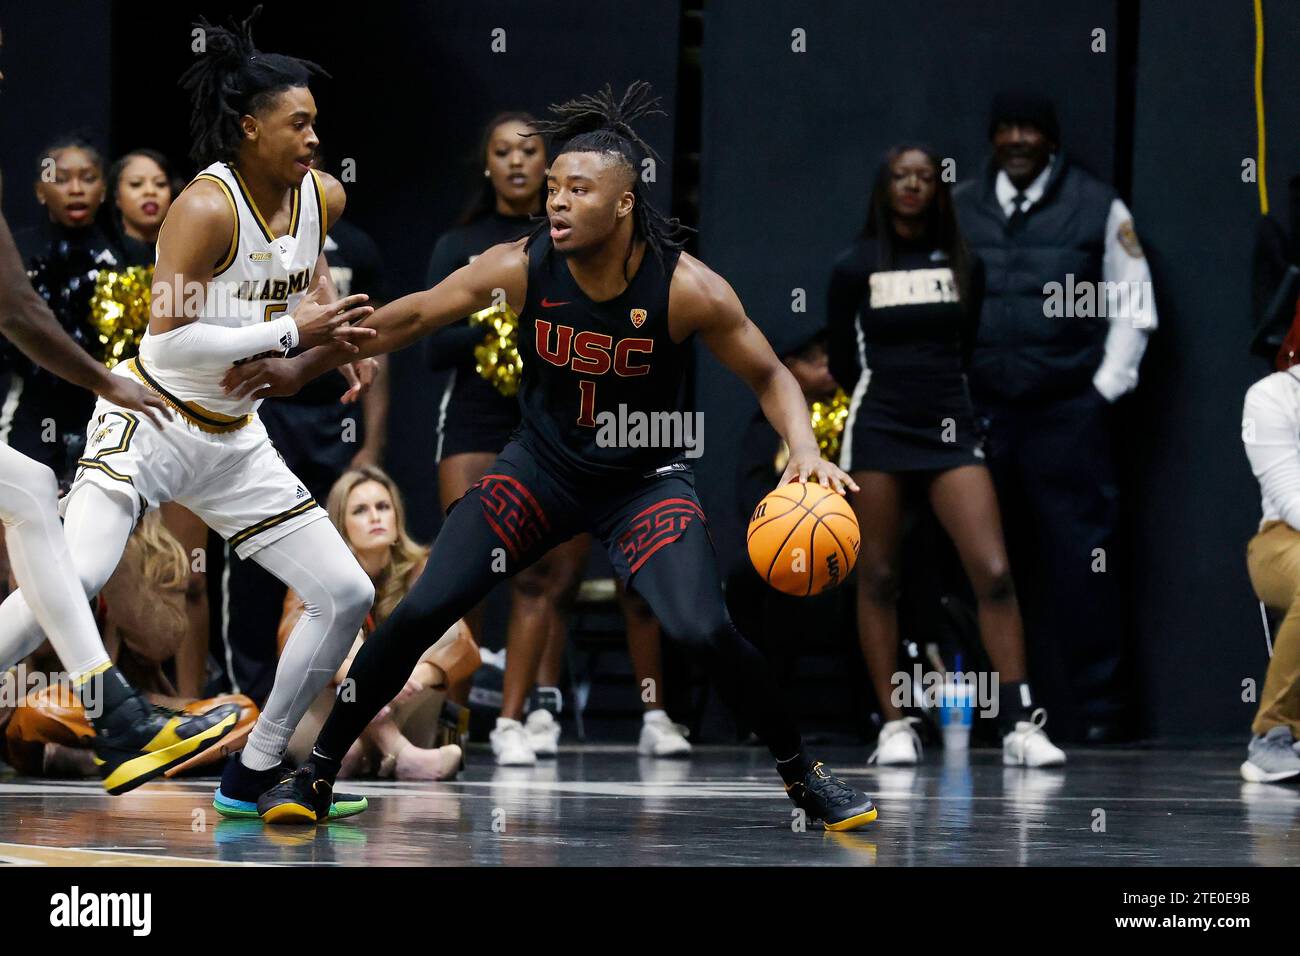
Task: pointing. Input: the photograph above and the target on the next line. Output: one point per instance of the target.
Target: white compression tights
(313, 560)
(38, 551)
(316, 563)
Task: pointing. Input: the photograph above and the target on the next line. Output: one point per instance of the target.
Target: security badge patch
(1128, 238)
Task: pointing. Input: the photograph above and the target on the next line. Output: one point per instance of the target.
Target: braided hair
(232, 78)
(599, 123)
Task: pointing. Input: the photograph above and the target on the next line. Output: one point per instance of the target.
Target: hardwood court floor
(723, 807)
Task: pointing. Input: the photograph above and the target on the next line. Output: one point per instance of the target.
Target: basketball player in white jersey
(237, 254)
(134, 741)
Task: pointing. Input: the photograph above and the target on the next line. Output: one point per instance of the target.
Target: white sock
(266, 745)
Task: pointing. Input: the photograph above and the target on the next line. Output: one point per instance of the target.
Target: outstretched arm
(701, 301)
(27, 322)
(501, 272)
(195, 242)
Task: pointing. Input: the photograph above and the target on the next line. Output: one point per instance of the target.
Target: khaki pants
(1273, 559)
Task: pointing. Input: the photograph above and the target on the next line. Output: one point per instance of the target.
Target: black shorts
(473, 417)
(530, 510)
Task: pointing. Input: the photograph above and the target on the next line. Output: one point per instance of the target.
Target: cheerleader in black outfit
(41, 415)
(475, 421)
(903, 302)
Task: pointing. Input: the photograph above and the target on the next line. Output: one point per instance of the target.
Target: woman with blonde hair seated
(366, 507)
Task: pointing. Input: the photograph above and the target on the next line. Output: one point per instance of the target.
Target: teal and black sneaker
(240, 789)
(344, 805)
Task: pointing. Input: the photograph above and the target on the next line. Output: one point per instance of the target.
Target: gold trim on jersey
(116, 476)
(267, 523)
(205, 419)
(225, 263)
(322, 207)
(100, 466)
(294, 211)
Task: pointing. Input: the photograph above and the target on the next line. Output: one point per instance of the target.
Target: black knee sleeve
(999, 589)
(882, 587)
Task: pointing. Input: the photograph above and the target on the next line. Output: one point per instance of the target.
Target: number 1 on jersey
(587, 406)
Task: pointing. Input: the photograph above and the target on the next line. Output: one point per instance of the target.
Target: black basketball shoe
(241, 788)
(139, 741)
(829, 799)
(300, 797)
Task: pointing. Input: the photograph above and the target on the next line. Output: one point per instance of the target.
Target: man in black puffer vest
(1067, 310)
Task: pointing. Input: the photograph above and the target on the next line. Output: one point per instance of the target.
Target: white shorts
(233, 479)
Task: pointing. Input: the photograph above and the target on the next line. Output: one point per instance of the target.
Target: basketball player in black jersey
(476, 421)
(608, 304)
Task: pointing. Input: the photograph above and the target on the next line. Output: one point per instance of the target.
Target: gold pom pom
(497, 357)
(827, 419)
(119, 311)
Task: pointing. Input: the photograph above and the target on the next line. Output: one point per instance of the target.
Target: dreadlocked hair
(599, 123)
(233, 78)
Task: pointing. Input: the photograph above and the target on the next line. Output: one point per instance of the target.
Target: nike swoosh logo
(548, 304)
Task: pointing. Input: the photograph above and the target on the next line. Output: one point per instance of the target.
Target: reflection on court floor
(724, 807)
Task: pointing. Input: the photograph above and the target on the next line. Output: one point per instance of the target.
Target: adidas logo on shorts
(302, 492)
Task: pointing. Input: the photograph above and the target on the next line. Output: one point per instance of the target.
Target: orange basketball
(803, 539)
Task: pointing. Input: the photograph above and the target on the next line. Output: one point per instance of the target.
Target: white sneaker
(1028, 745)
(510, 744)
(660, 737)
(898, 743)
(543, 732)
